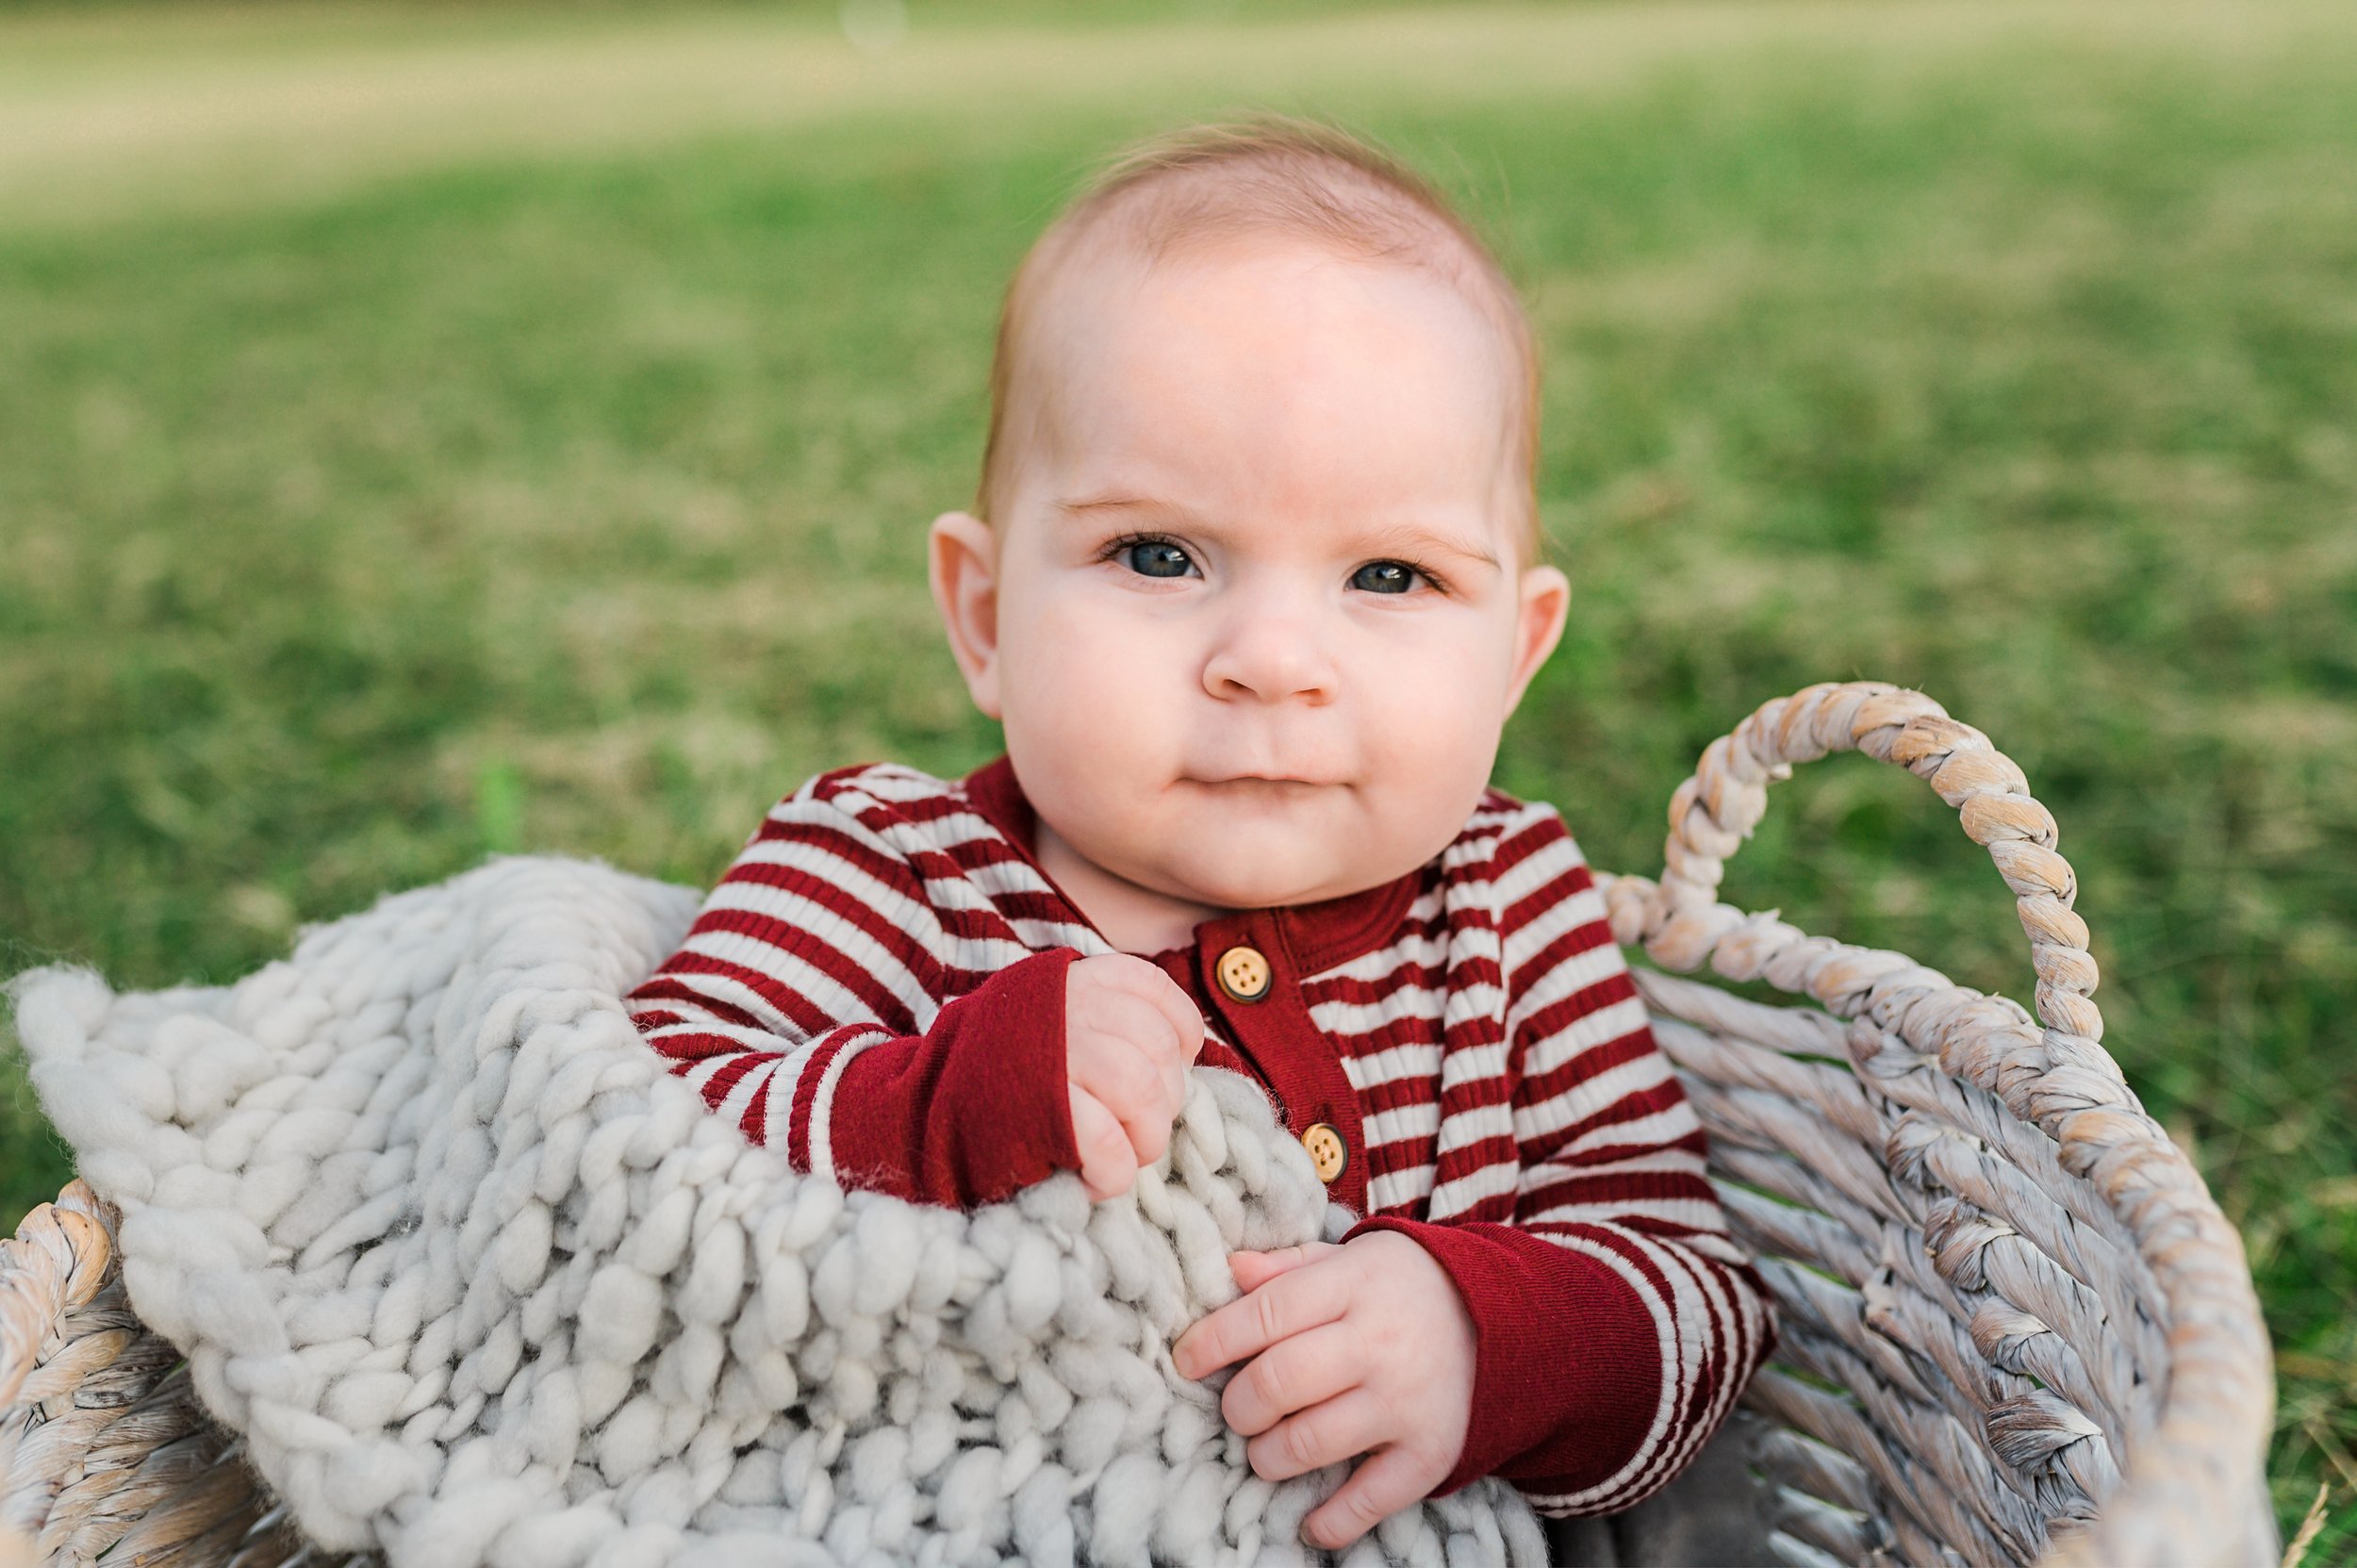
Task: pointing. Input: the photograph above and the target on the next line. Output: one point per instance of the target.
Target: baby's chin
(1231, 875)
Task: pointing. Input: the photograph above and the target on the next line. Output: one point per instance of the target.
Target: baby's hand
(1129, 1033)
(1364, 1348)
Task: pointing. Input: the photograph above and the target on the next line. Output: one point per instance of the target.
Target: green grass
(411, 471)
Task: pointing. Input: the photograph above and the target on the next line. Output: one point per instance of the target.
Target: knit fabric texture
(479, 1282)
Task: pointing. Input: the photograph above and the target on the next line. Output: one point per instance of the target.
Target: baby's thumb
(1191, 1038)
(1109, 1167)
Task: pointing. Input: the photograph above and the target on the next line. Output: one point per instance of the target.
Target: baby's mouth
(1263, 788)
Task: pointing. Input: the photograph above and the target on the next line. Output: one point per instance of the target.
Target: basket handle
(1714, 811)
(57, 1260)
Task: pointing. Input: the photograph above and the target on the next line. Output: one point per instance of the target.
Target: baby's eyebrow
(1121, 503)
(1400, 536)
(1425, 542)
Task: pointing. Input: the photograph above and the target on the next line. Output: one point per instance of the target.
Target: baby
(1253, 581)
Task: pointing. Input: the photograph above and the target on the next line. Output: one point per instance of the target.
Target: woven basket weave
(2015, 1328)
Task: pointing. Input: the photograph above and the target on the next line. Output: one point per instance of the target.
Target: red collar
(1318, 935)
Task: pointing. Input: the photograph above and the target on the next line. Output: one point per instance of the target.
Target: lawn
(428, 433)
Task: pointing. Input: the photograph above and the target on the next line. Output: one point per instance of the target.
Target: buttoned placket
(1274, 1032)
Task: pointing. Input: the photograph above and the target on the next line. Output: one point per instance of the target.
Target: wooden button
(1243, 973)
(1328, 1151)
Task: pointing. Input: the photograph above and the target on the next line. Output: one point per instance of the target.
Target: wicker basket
(2015, 1328)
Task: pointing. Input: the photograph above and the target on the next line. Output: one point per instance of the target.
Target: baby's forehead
(1106, 292)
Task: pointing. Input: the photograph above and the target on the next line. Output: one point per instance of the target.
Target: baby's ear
(961, 561)
(1545, 603)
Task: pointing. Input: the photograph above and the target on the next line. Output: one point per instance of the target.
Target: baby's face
(1253, 612)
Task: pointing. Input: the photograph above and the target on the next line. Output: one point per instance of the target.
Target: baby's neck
(1134, 919)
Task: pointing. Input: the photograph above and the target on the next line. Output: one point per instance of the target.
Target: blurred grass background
(434, 432)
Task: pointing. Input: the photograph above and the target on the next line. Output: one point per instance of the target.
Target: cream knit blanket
(481, 1284)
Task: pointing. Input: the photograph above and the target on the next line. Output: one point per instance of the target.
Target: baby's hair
(1269, 175)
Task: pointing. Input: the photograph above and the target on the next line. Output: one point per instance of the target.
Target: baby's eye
(1155, 557)
(1385, 577)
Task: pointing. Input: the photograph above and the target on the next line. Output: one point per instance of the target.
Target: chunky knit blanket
(479, 1283)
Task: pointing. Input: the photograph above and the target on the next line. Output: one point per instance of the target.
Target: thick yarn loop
(2063, 1196)
(476, 1281)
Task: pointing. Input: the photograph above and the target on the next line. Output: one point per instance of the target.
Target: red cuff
(1567, 1363)
(974, 1110)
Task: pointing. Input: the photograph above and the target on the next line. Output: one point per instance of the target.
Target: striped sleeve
(1612, 1164)
(1614, 1320)
(816, 1003)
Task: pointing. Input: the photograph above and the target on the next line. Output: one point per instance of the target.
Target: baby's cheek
(1434, 756)
(1099, 664)
(1072, 687)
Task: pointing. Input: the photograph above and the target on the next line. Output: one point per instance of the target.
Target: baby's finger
(1186, 1023)
(1293, 1375)
(1328, 1433)
(1175, 1038)
(1144, 1025)
(1287, 1305)
(1254, 1269)
(1391, 1480)
(1108, 1165)
(1128, 1083)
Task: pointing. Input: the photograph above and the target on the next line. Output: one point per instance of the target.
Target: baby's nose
(1273, 656)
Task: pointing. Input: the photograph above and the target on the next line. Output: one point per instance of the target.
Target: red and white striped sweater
(877, 986)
